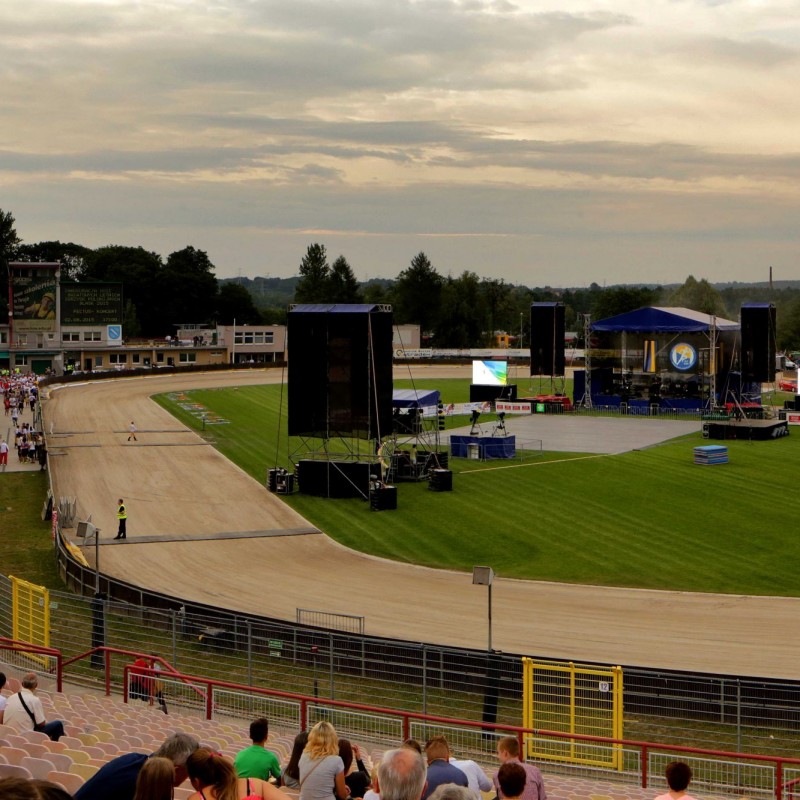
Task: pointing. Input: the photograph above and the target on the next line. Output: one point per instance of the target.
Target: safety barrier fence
(715, 711)
(715, 771)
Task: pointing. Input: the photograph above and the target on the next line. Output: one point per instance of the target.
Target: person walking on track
(132, 429)
(122, 516)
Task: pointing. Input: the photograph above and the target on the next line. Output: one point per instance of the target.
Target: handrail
(108, 652)
(26, 647)
(644, 747)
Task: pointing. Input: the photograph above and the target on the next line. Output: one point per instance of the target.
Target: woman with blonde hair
(214, 778)
(321, 767)
(156, 780)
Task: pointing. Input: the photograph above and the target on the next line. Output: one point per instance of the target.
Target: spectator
(477, 780)
(3, 700)
(679, 775)
(413, 744)
(320, 765)
(512, 780)
(401, 775)
(24, 789)
(508, 752)
(440, 770)
(256, 761)
(290, 777)
(117, 779)
(214, 777)
(155, 780)
(140, 683)
(357, 779)
(449, 791)
(25, 713)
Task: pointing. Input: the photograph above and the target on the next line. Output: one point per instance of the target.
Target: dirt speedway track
(201, 529)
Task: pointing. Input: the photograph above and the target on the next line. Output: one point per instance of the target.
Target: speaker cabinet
(758, 322)
(340, 371)
(547, 338)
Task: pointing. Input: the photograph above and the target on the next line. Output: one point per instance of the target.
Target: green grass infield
(649, 518)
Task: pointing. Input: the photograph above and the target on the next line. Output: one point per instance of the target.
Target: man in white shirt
(25, 713)
(477, 780)
(3, 699)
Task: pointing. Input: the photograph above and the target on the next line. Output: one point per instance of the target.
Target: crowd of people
(322, 766)
(18, 393)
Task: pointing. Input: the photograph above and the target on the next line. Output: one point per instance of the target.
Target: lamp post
(484, 576)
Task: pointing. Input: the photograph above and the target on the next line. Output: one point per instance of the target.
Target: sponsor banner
(91, 304)
(793, 417)
(33, 299)
(510, 407)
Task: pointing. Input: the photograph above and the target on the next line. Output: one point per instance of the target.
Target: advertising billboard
(89, 304)
(33, 297)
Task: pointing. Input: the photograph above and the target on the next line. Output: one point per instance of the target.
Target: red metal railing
(205, 687)
(26, 647)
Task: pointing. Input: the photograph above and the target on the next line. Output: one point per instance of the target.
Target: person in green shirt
(256, 761)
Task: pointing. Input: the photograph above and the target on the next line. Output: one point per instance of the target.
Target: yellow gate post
(569, 698)
(30, 615)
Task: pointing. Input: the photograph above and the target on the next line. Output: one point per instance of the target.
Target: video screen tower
(339, 391)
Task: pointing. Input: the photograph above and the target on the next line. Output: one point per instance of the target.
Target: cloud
(499, 123)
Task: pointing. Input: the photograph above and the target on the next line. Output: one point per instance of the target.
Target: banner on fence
(512, 408)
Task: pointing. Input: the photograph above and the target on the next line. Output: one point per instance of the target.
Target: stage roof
(415, 398)
(336, 308)
(669, 319)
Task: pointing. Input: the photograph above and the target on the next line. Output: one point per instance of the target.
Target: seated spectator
(476, 778)
(256, 761)
(3, 699)
(290, 776)
(413, 744)
(25, 713)
(512, 780)
(401, 775)
(320, 766)
(449, 791)
(214, 777)
(155, 780)
(508, 752)
(24, 789)
(440, 770)
(117, 779)
(355, 777)
(678, 775)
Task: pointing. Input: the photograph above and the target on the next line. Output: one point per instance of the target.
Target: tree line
(452, 311)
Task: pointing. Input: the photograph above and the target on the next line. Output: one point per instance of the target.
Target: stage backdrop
(340, 370)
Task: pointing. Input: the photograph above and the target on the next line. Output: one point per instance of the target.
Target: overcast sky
(541, 142)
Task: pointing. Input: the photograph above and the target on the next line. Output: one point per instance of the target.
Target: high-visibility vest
(121, 512)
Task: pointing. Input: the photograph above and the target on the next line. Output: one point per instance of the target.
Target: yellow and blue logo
(683, 356)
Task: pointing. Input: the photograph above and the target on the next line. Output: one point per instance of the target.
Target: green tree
(189, 287)
(74, 258)
(342, 283)
(8, 239)
(236, 303)
(418, 294)
(140, 272)
(496, 296)
(621, 299)
(462, 321)
(131, 329)
(315, 273)
(699, 296)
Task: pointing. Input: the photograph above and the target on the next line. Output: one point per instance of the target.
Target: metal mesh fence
(715, 712)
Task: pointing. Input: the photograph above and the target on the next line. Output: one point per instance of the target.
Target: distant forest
(464, 310)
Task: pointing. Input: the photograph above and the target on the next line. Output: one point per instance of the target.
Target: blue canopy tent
(415, 398)
(657, 358)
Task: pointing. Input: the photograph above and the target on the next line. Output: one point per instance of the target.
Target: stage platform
(749, 429)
